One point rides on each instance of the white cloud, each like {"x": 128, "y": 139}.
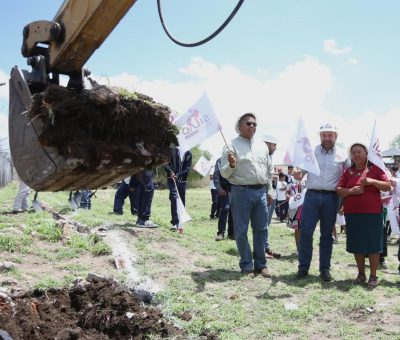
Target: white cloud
{"x": 301, "y": 89}
{"x": 3, "y": 88}
{"x": 352, "y": 61}
{"x": 331, "y": 47}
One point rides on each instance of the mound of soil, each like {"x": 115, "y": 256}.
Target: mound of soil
{"x": 104, "y": 126}
{"x": 96, "y": 308}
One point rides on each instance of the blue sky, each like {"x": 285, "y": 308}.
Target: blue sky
{"x": 321, "y": 60}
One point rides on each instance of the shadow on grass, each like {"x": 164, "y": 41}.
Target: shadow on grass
{"x": 232, "y": 251}
{"x": 65, "y": 210}
{"x": 341, "y": 285}
{"x": 214, "y": 275}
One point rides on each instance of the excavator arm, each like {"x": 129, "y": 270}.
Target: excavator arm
{"x": 78, "y": 29}
{"x": 63, "y": 46}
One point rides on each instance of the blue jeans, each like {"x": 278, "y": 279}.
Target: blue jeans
{"x": 215, "y": 204}
{"x": 86, "y": 200}
{"x": 271, "y": 209}
{"x": 121, "y": 194}
{"x": 144, "y": 192}
{"x": 225, "y": 215}
{"x": 250, "y": 205}
{"x": 317, "y": 207}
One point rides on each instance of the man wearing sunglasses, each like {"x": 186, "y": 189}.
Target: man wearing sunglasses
{"x": 245, "y": 163}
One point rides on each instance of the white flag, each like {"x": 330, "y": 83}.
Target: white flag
{"x": 197, "y": 124}
{"x": 297, "y": 199}
{"x": 374, "y": 151}
{"x": 392, "y": 213}
{"x": 203, "y": 166}
{"x": 183, "y": 216}
{"x": 303, "y": 155}
{"x": 288, "y": 158}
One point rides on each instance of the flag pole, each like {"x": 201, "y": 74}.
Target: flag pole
{"x": 223, "y": 137}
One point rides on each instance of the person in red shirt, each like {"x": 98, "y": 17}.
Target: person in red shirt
{"x": 360, "y": 186}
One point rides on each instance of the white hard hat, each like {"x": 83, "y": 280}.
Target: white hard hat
{"x": 270, "y": 139}
{"x": 327, "y": 127}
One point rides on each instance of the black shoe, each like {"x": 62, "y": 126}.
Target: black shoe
{"x": 302, "y": 273}
{"x": 231, "y": 237}
{"x": 326, "y": 276}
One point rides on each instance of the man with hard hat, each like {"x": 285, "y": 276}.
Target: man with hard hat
{"x": 320, "y": 204}
{"x": 247, "y": 166}
{"x": 271, "y": 142}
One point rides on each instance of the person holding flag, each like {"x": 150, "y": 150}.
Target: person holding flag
{"x": 177, "y": 171}
{"x": 361, "y": 185}
{"x": 325, "y": 165}
{"x": 245, "y": 163}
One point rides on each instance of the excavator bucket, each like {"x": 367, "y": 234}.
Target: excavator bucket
{"x": 46, "y": 162}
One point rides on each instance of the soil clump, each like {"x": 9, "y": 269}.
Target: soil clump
{"x": 104, "y": 127}
{"x": 95, "y": 308}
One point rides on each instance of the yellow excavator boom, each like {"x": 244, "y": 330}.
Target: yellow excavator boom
{"x": 78, "y": 29}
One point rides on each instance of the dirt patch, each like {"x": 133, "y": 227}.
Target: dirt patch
{"x": 96, "y": 308}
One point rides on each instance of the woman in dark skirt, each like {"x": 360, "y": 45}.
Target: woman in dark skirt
{"x": 360, "y": 186}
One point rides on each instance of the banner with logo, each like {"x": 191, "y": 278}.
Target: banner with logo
{"x": 197, "y": 124}
{"x": 374, "y": 150}
{"x": 288, "y": 158}
{"x": 297, "y": 199}
{"x": 203, "y": 166}
{"x": 303, "y": 155}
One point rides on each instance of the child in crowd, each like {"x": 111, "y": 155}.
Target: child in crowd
{"x": 295, "y": 196}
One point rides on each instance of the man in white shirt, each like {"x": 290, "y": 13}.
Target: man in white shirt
{"x": 320, "y": 204}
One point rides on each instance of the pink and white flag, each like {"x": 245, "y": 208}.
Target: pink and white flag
{"x": 203, "y": 166}
{"x": 374, "y": 150}
{"x": 197, "y": 124}
{"x": 303, "y": 155}
{"x": 288, "y": 158}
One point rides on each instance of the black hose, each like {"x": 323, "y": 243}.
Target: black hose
{"x": 201, "y": 42}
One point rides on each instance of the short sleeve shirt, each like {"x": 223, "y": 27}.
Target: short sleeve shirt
{"x": 370, "y": 201}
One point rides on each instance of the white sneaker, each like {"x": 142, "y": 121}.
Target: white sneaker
{"x": 146, "y": 224}
{"x": 150, "y": 224}
{"x": 174, "y": 228}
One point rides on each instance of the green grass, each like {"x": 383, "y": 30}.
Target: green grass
{"x": 11, "y": 243}
{"x": 201, "y": 276}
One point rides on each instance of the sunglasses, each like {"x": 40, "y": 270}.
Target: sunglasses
{"x": 251, "y": 124}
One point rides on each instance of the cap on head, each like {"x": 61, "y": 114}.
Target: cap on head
{"x": 327, "y": 127}
{"x": 250, "y": 114}
{"x": 270, "y": 139}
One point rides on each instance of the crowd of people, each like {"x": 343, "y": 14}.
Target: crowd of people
{"x": 347, "y": 186}
{"x": 246, "y": 189}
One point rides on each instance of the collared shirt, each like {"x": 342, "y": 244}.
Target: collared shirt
{"x": 331, "y": 165}
{"x": 253, "y": 164}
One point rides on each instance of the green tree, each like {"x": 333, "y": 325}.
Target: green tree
{"x": 395, "y": 142}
